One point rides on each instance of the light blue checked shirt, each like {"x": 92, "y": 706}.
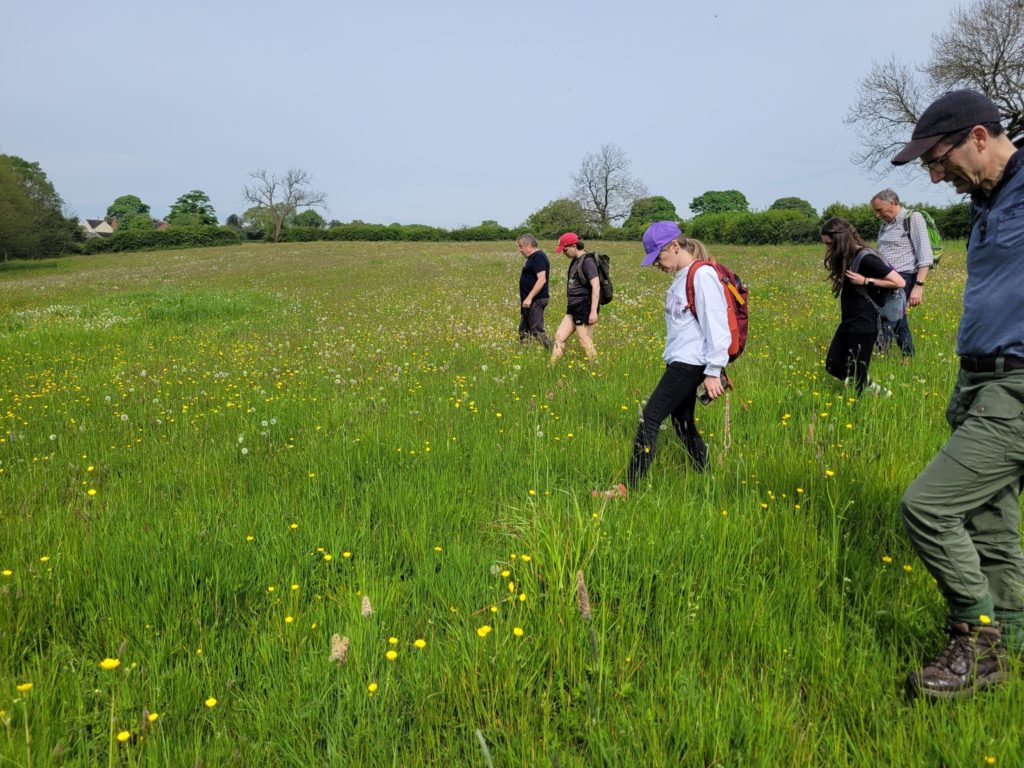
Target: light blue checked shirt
{"x": 902, "y": 252}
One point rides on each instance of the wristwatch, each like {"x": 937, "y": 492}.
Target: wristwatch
{"x": 919, "y": 282}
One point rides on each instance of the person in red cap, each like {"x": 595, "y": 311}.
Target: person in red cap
{"x": 583, "y": 289}
{"x": 962, "y": 514}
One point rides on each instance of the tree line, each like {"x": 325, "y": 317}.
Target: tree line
{"x": 983, "y": 48}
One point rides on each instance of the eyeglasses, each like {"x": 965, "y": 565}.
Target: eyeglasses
{"x": 939, "y": 163}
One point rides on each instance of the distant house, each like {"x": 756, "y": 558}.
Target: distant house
{"x": 96, "y": 228}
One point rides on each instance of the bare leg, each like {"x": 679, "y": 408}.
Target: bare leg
{"x": 565, "y": 330}
{"x": 585, "y": 333}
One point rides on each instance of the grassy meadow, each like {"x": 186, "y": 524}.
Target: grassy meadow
{"x": 212, "y": 461}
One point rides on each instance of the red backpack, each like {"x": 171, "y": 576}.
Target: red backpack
{"x": 735, "y": 301}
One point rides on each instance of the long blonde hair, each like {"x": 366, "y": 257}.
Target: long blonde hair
{"x": 696, "y": 248}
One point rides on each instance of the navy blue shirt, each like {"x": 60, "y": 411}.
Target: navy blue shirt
{"x": 536, "y": 263}
{"x": 992, "y": 323}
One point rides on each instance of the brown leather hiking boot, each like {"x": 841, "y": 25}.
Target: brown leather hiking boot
{"x": 973, "y": 660}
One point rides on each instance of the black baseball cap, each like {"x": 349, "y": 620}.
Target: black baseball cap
{"x": 952, "y": 112}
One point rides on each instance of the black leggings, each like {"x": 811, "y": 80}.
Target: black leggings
{"x": 849, "y": 354}
{"x": 674, "y": 396}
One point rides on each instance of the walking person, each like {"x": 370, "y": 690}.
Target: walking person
{"x": 962, "y": 513}
{"x": 583, "y": 293}
{"x": 533, "y": 290}
{"x": 696, "y": 348}
{"x": 903, "y": 242}
{"x": 849, "y": 354}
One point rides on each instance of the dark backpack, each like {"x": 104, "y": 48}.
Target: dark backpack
{"x": 894, "y": 306}
{"x": 604, "y": 277}
{"x": 736, "y": 295}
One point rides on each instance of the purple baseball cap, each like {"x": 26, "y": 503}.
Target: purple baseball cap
{"x": 657, "y": 236}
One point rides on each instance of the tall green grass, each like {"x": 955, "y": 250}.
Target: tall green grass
{"x": 209, "y": 460}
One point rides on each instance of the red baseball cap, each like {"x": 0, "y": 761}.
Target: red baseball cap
{"x": 569, "y": 238}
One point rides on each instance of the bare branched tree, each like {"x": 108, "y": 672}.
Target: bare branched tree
{"x": 605, "y": 186}
{"x": 280, "y": 197}
{"x": 982, "y": 49}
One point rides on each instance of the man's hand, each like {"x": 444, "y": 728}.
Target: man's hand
{"x": 916, "y": 294}
{"x": 592, "y": 320}
{"x": 527, "y": 302}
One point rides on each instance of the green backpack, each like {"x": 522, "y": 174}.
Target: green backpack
{"x": 934, "y": 236}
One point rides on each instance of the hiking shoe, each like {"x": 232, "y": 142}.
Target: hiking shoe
{"x": 618, "y": 492}
{"x": 878, "y": 390}
{"x": 973, "y": 660}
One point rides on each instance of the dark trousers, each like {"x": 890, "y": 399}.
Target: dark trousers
{"x": 849, "y": 354}
{"x": 531, "y": 322}
{"x": 674, "y": 396}
{"x": 900, "y": 330}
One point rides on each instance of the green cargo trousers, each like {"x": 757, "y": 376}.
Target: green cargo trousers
{"x": 962, "y": 513}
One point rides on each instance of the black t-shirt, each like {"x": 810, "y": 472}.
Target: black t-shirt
{"x": 535, "y": 264}
{"x": 578, "y": 283}
{"x": 858, "y": 315}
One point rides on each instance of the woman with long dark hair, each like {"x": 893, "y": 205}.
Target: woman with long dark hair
{"x": 860, "y": 293}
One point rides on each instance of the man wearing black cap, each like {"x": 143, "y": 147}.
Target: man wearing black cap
{"x": 962, "y": 513}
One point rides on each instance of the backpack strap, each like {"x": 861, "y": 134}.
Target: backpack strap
{"x": 861, "y": 289}
{"x": 691, "y": 296}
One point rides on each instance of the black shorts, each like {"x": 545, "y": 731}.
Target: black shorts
{"x": 580, "y": 313}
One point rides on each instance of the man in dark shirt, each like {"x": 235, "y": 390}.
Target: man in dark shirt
{"x": 962, "y": 513}
{"x": 533, "y": 290}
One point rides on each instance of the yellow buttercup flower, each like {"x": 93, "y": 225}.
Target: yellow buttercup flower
{"x": 420, "y": 643}
{"x": 109, "y": 664}
{"x": 123, "y": 736}
{"x": 23, "y": 688}
{"x": 210, "y": 703}
{"x": 391, "y": 655}
{"x": 153, "y": 717}
{"x": 984, "y": 619}
{"x": 372, "y": 688}
{"x": 484, "y": 631}
{"x": 517, "y": 631}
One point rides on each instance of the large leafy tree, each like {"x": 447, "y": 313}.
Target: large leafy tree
{"x": 719, "y": 202}
{"x": 983, "y": 48}
{"x": 605, "y": 187}
{"x": 32, "y": 220}
{"x": 279, "y": 197}
{"x": 309, "y": 219}
{"x": 648, "y": 209}
{"x": 560, "y": 216}
{"x": 192, "y": 209}
{"x": 125, "y": 209}
{"x": 794, "y": 204}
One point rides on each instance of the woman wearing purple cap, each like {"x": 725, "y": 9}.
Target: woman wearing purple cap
{"x": 696, "y": 347}
{"x": 849, "y": 354}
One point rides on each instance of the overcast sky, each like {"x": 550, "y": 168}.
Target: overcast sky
{"x": 447, "y": 112}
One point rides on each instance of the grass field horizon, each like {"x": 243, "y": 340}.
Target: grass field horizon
{"x": 214, "y": 460}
